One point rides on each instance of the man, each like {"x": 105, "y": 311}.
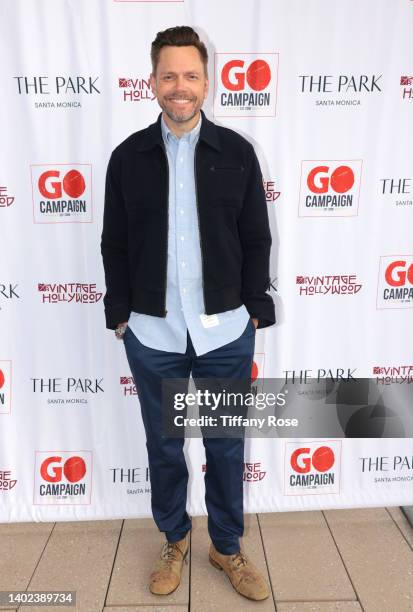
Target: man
{"x": 186, "y": 246}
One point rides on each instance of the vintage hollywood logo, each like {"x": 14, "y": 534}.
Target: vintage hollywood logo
{"x": 329, "y": 188}
{"x": 6, "y": 482}
{"x": 60, "y": 86}
{"x": 245, "y": 84}
{"x": 398, "y": 190}
{"x": 271, "y": 194}
{"x": 312, "y": 467}
{"x": 328, "y": 284}
{"x": 5, "y": 199}
{"x": 63, "y": 477}
{"x": 135, "y": 89}
{"x": 83, "y": 293}
{"x": 253, "y": 472}
{"x": 339, "y": 90}
{"x": 62, "y": 193}
{"x": 395, "y": 286}
{"x": 406, "y": 85}
{"x": 128, "y": 385}
{"x": 387, "y": 375}
{"x": 5, "y": 387}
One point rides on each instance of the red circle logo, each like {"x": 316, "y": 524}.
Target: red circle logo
{"x": 74, "y": 184}
{"x": 2, "y": 379}
{"x": 323, "y": 459}
{"x": 74, "y": 469}
{"x": 254, "y": 371}
{"x": 342, "y": 179}
{"x": 258, "y": 75}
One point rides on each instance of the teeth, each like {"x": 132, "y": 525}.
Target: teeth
{"x": 180, "y": 101}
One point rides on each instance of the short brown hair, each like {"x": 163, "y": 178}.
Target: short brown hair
{"x": 179, "y": 36}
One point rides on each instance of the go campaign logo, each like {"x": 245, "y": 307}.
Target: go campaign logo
{"x": 312, "y": 468}
{"x": 330, "y": 188}
{"x": 63, "y": 477}
{"x": 395, "y": 286}
{"x": 5, "y": 387}
{"x": 62, "y": 193}
{"x": 245, "y": 84}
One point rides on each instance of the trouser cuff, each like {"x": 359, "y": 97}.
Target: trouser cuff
{"x": 227, "y": 547}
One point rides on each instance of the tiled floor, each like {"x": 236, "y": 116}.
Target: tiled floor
{"x": 337, "y": 560}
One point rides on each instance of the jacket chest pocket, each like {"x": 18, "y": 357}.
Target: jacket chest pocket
{"x": 226, "y": 183}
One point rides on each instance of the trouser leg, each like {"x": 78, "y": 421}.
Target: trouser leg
{"x": 167, "y": 465}
{"x": 225, "y": 456}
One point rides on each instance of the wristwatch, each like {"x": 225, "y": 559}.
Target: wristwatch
{"x": 120, "y": 330}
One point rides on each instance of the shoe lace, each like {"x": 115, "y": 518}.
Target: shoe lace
{"x": 169, "y": 552}
{"x": 239, "y": 560}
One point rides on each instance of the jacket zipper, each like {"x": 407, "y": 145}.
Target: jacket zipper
{"x": 199, "y": 225}
{"x": 167, "y": 227}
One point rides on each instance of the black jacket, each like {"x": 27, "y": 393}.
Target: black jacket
{"x": 235, "y": 237}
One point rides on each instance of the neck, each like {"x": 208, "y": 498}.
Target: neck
{"x": 178, "y": 128}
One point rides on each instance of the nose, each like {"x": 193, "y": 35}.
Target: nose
{"x": 180, "y": 82}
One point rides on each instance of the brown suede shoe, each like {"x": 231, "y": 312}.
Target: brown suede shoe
{"x": 166, "y": 576}
{"x": 243, "y": 575}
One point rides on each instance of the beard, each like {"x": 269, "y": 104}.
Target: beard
{"x": 184, "y": 115}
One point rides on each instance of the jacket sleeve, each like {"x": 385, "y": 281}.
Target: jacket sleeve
{"x": 255, "y": 236}
{"x": 114, "y": 248}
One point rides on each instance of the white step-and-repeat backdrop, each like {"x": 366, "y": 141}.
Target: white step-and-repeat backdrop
{"x": 324, "y": 91}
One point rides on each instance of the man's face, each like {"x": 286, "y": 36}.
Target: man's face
{"x": 180, "y": 84}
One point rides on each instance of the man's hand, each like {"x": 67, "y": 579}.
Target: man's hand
{"x": 255, "y": 321}
{"x": 120, "y": 330}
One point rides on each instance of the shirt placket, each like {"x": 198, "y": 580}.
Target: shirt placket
{"x": 181, "y": 220}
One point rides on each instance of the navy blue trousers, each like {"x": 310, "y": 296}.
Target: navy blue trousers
{"x": 224, "y": 456}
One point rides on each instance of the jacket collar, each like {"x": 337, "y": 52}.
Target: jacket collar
{"x": 152, "y": 136}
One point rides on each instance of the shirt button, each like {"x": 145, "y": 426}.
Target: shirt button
{"x": 181, "y": 185}
{"x": 184, "y": 290}
{"x": 181, "y": 159}
{"x": 182, "y": 238}
{"x": 183, "y": 264}
{"x": 181, "y": 211}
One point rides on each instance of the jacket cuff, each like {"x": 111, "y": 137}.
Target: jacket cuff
{"x": 115, "y": 315}
{"x": 260, "y": 307}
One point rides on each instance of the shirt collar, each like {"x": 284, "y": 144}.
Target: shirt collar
{"x": 191, "y": 136}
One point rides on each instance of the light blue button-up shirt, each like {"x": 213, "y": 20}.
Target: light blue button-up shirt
{"x": 184, "y": 295}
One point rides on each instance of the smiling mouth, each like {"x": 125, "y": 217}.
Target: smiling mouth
{"x": 179, "y": 100}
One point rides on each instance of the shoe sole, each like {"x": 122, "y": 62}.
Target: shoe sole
{"x": 215, "y": 564}
{"x": 173, "y": 590}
